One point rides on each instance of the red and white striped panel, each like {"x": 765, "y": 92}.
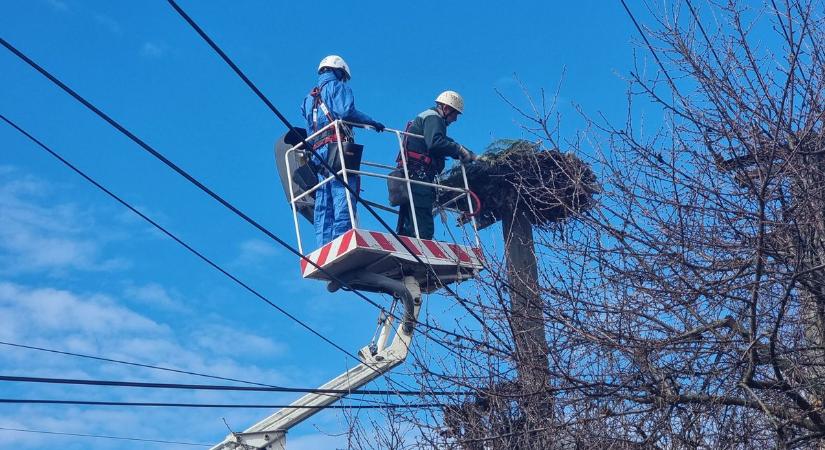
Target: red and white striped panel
{"x": 431, "y": 252}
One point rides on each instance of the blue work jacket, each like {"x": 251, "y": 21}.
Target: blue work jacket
{"x": 338, "y": 98}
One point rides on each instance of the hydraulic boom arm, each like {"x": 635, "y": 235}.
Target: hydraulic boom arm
{"x": 270, "y": 433}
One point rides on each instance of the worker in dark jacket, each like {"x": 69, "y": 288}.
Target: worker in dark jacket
{"x": 330, "y": 100}
{"x": 426, "y": 159}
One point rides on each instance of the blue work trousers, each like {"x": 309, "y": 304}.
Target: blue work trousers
{"x": 331, "y": 211}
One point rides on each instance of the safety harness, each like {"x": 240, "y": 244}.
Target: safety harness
{"x": 318, "y": 103}
{"x": 424, "y": 159}
{"x": 420, "y": 157}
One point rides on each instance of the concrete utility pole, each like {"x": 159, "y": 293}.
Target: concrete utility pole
{"x": 527, "y": 316}
{"x": 527, "y": 326}
{"x": 524, "y": 186}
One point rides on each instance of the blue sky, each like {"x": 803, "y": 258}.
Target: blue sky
{"x": 78, "y": 272}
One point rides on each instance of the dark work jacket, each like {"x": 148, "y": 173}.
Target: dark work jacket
{"x": 436, "y": 144}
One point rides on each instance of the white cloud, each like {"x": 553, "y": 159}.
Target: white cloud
{"x": 108, "y": 23}
{"x": 254, "y": 253}
{"x": 97, "y": 421}
{"x": 97, "y": 324}
{"x": 39, "y": 233}
{"x": 153, "y": 49}
{"x": 155, "y": 295}
{"x": 45, "y": 311}
{"x": 253, "y": 248}
{"x": 316, "y": 441}
{"x": 58, "y": 5}
{"x": 231, "y": 340}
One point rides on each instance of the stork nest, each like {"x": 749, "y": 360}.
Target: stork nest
{"x": 516, "y": 175}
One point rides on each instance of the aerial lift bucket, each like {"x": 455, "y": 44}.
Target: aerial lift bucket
{"x": 303, "y": 176}
{"x": 402, "y": 266}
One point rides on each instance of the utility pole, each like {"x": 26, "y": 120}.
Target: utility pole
{"x": 527, "y": 326}
{"x": 527, "y": 315}
{"x": 523, "y": 186}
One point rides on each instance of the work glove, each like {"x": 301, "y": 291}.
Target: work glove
{"x": 466, "y": 156}
{"x": 379, "y": 127}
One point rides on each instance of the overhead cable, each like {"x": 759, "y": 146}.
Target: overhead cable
{"x": 213, "y": 387}
{"x": 103, "y": 436}
{"x": 27, "y": 401}
{"x": 155, "y": 224}
{"x": 324, "y": 163}
{"x": 130, "y": 363}
{"x": 173, "y": 236}
{"x": 199, "y": 185}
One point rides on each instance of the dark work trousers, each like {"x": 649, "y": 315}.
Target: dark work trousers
{"x": 423, "y": 199}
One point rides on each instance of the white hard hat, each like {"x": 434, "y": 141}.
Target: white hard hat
{"x": 452, "y": 99}
{"x": 334, "y": 62}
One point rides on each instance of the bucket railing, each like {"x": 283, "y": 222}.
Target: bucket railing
{"x": 346, "y": 174}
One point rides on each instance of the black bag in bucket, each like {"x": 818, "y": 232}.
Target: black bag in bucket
{"x": 352, "y": 156}
{"x": 305, "y": 177}
{"x": 397, "y": 189}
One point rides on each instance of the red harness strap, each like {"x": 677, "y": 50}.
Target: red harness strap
{"x": 318, "y": 102}
{"x": 419, "y": 157}
{"x": 332, "y": 138}
{"x": 426, "y": 160}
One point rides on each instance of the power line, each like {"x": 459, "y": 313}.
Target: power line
{"x": 212, "y": 405}
{"x": 212, "y": 194}
{"x": 130, "y": 363}
{"x": 164, "y": 230}
{"x": 103, "y": 436}
{"x": 159, "y": 227}
{"x": 461, "y": 300}
{"x": 149, "y": 366}
{"x": 213, "y": 387}
{"x": 354, "y": 192}
{"x": 323, "y": 162}
{"x": 175, "y": 238}
{"x": 203, "y": 188}
{"x": 68, "y": 164}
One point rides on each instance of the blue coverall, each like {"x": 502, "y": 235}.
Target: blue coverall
{"x": 331, "y": 213}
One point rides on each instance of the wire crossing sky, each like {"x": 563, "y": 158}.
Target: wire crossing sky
{"x": 81, "y": 274}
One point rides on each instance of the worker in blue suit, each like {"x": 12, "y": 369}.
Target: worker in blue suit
{"x": 331, "y": 99}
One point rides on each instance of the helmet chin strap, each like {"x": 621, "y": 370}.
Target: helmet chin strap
{"x": 439, "y": 108}
{"x": 341, "y": 74}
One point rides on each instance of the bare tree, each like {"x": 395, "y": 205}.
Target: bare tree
{"x": 686, "y": 309}
{"x": 689, "y": 305}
